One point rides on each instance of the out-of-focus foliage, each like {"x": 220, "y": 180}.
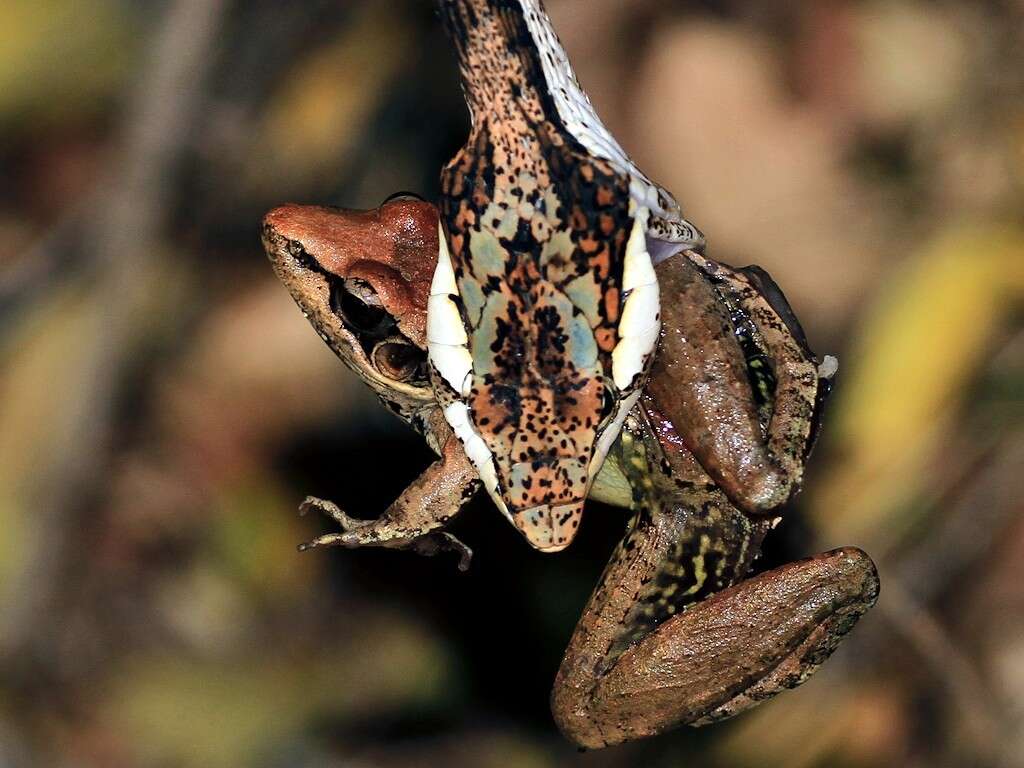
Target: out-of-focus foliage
{"x": 61, "y": 60}
{"x": 164, "y": 405}
{"x": 923, "y": 344}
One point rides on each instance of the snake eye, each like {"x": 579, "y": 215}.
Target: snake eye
{"x": 607, "y": 403}
{"x": 359, "y": 306}
{"x": 402, "y": 197}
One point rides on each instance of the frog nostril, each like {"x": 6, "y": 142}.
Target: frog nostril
{"x": 359, "y": 307}
{"x": 397, "y": 359}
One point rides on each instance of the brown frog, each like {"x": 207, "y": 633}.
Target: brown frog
{"x": 675, "y": 633}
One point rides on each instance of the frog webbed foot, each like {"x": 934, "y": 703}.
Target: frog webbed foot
{"x": 383, "y": 532}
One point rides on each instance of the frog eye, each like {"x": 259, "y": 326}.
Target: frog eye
{"x": 398, "y": 359}
{"x": 402, "y": 197}
{"x": 358, "y": 305}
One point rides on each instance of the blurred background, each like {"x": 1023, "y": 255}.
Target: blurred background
{"x": 164, "y": 406}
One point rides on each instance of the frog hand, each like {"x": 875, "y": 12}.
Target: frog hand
{"x": 365, "y": 533}
{"x": 415, "y": 519}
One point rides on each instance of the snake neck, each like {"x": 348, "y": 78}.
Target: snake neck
{"x": 496, "y": 43}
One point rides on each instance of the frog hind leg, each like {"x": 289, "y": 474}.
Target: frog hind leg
{"x": 673, "y": 635}
{"x": 735, "y": 325}
{"x": 802, "y": 381}
{"x": 413, "y": 521}
{"x": 737, "y": 649}
{"x": 732, "y": 651}
{"x": 845, "y": 582}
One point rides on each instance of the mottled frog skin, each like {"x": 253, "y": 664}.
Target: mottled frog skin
{"x": 675, "y": 633}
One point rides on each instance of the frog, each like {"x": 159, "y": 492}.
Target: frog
{"x": 677, "y": 632}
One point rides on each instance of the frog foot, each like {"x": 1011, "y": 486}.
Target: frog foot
{"x": 381, "y": 533}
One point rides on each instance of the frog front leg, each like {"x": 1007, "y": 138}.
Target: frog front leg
{"x": 413, "y": 521}
{"x": 672, "y": 636}
{"x": 362, "y": 279}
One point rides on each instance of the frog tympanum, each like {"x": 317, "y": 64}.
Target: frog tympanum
{"x": 674, "y": 633}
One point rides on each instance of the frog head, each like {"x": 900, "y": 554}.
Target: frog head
{"x": 362, "y": 279}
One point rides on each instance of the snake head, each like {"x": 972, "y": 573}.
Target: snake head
{"x": 538, "y": 358}
{"x": 544, "y": 311}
